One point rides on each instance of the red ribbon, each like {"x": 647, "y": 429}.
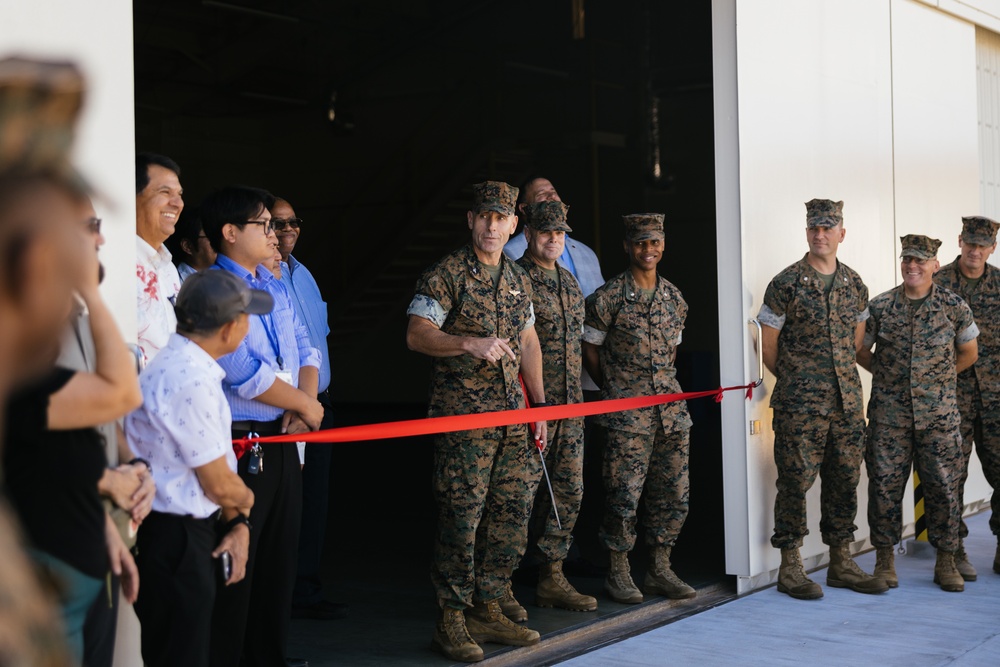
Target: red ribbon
{"x": 452, "y": 423}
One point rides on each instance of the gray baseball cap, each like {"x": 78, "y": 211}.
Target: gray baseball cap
{"x": 214, "y": 297}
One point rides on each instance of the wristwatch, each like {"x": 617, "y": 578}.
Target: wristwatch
{"x": 237, "y": 520}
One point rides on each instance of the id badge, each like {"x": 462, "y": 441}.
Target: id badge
{"x": 285, "y": 376}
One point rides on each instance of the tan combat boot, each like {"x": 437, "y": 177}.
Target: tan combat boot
{"x": 555, "y": 591}
{"x": 792, "y": 577}
{"x": 512, "y": 609}
{"x": 487, "y": 623}
{"x": 946, "y": 575}
{"x": 618, "y": 584}
{"x": 661, "y": 580}
{"x": 451, "y": 637}
{"x": 845, "y": 573}
{"x": 885, "y": 566}
{"x": 963, "y": 565}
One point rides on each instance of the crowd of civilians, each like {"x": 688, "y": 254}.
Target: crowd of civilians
{"x": 119, "y": 476}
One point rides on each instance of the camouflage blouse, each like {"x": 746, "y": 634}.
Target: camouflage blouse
{"x": 638, "y": 338}
{"x": 458, "y": 295}
{"x": 984, "y": 300}
{"x": 559, "y": 313}
{"x": 817, "y": 365}
{"x": 913, "y": 371}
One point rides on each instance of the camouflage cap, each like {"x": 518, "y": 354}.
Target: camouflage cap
{"x": 824, "y": 213}
{"x": 921, "y": 247}
{"x": 494, "y": 196}
{"x": 643, "y": 226}
{"x": 547, "y": 216}
{"x": 40, "y": 103}
{"x": 979, "y": 230}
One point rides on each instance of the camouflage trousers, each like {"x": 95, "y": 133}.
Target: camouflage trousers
{"x": 564, "y": 460}
{"x": 983, "y": 428}
{"x": 937, "y": 457}
{"x": 656, "y": 462}
{"x": 807, "y": 445}
{"x": 484, "y": 489}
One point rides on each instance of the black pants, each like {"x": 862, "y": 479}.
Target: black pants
{"x": 100, "y": 627}
{"x": 251, "y": 618}
{"x": 177, "y": 589}
{"x": 315, "y": 501}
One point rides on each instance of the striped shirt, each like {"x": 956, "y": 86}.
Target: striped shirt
{"x": 250, "y": 370}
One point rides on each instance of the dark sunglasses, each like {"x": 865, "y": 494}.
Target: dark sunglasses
{"x": 93, "y": 225}
{"x": 280, "y": 224}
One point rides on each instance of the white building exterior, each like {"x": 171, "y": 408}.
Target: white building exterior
{"x": 877, "y": 103}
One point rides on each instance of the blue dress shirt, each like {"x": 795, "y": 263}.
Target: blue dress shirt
{"x": 311, "y": 309}
{"x": 250, "y": 370}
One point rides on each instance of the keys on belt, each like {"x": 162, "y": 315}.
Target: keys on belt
{"x": 256, "y": 462}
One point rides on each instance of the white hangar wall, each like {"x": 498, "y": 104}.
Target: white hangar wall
{"x": 871, "y": 102}
{"x": 97, "y": 36}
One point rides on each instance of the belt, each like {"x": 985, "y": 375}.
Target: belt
{"x": 260, "y": 428}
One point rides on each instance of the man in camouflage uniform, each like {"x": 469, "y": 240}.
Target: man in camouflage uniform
{"x": 632, "y": 328}
{"x": 559, "y": 312}
{"x": 812, "y": 323}
{"x": 924, "y": 335}
{"x": 472, "y": 313}
{"x": 979, "y": 387}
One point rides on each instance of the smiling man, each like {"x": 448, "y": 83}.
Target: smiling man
{"x": 813, "y": 320}
{"x": 631, "y": 332}
{"x": 158, "y": 204}
{"x": 979, "y": 386}
{"x": 472, "y": 314}
{"x": 924, "y": 335}
{"x": 559, "y": 310}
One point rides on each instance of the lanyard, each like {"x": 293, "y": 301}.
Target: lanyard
{"x": 272, "y": 337}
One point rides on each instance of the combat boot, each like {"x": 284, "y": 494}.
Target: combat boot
{"x": 946, "y": 575}
{"x": 885, "y": 566}
{"x": 792, "y": 577}
{"x": 451, "y": 637}
{"x": 845, "y": 573}
{"x": 512, "y": 609}
{"x": 618, "y": 584}
{"x": 555, "y": 591}
{"x": 661, "y": 580}
{"x": 963, "y": 565}
{"x": 487, "y": 623}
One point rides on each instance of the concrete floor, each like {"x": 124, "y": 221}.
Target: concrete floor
{"x": 391, "y": 619}
{"x": 914, "y": 625}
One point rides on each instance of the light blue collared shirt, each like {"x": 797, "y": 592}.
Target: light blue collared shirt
{"x": 311, "y": 309}
{"x": 250, "y": 370}
{"x": 184, "y": 270}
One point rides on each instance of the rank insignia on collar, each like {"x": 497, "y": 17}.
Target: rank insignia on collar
{"x": 515, "y": 292}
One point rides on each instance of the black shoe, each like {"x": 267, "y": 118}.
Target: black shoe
{"x": 296, "y": 662}
{"x": 322, "y": 610}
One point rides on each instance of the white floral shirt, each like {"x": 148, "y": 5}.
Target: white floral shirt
{"x": 157, "y": 285}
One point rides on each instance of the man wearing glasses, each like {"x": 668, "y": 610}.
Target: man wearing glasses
{"x": 158, "y": 204}
{"x": 270, "y": 383}
{"x": 308, "y": 601}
